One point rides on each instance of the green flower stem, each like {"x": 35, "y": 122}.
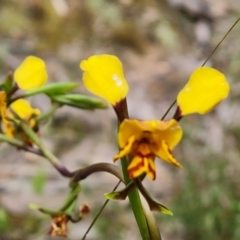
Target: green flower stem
{"x": 136, "y": 204}
{"x": 16, "y": 143}
{"x": 72, "y": 196}
{"x": 46, "y": 153}
{"x": 49, "y": 113}
{"x": 45, "y": 210}
{"x": 151, "y": 221}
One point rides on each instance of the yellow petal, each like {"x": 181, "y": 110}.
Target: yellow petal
{"x": 162, "y": 151}
{"x": 23, "y": 109}
{"x": 6, "y": 124}
{"x": 3, "y": 104}
{"x": 31, "y": 73}
{"x": 126, "y": 149}
{"x": 103, "y": 76}
{"x": 8, "y": 129}
{"x": 205, "y": 89}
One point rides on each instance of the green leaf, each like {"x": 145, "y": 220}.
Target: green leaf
{"x": 52, "y": 89}
{"x": 79, "y": 101}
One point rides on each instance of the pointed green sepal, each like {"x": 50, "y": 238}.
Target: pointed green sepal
{"x": 155, "y": 206}
{"x": 115, "y": 196}
{"x": 122, "y": 194}
{"x": 34, "y": 206}
{"x": 79, "y": 101}
{"x": 52, "y": 89}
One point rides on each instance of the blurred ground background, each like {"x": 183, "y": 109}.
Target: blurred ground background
{"x": 160, "y": 43}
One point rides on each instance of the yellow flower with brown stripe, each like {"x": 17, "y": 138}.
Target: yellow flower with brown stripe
{"x": 145, "y": 140}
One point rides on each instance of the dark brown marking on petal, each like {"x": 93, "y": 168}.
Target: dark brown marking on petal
{"x": 170, "y": 152}
{"x": 136, "y": 168}
{"x": 177, "y": 163}
{"x": 152, "y": 170}
{"x": 146, "y": 131}
{"x": 141, "y": 155}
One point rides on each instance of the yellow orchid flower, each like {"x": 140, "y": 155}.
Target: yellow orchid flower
{"x": 205, "y": 89}
{"x": 31, "y": 73}
{"x": 103, "y": 76}
{"x": 144, "y": 140}
{"x": 24, "y": 111}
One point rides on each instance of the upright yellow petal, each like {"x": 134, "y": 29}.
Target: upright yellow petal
{"x": 205, "y": 89}
{"x": 103, "y": 76}
{"x": 23, "y": 109}
{"x": 31, "y": 73}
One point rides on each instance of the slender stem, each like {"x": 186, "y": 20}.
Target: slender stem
{"x": 46, "y": 153}
{"x": 214, "y": 50}
{"x": 136, "y": 204}
{"x": 97, "y": 167}
{"x": 49, "y": 113}
{"x": 99, "y": 213}
{"x": 72, "y": 196}
{"x": 168, "y": 110}
{"x": 19, "y": 144}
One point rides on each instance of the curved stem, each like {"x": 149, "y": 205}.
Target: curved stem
{"x": 49, "y": 113}
{"x": 17, "y": 143}
{"x": 46, "y": 153}
{"x": 97, "y": 167}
